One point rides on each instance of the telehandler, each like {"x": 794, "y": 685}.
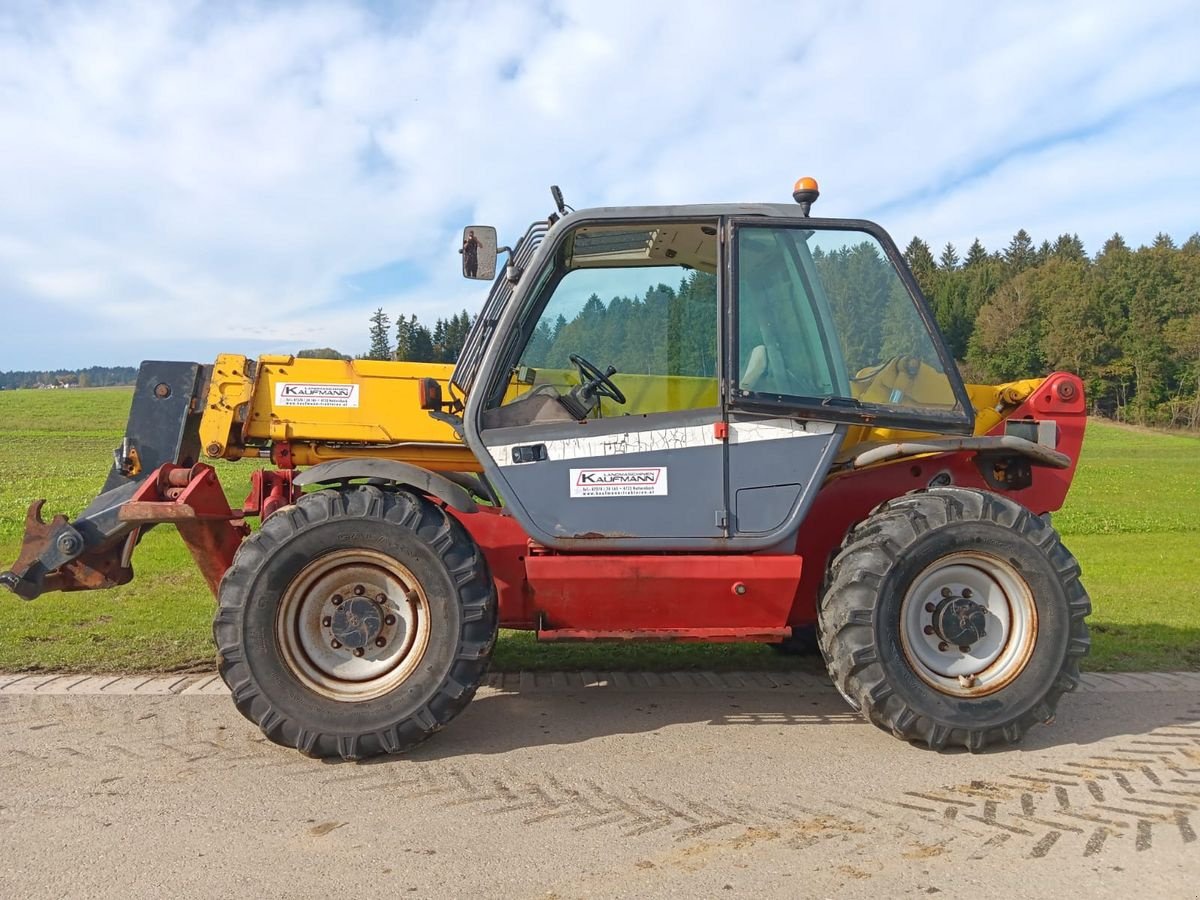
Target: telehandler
{"x": 732, "y": 422}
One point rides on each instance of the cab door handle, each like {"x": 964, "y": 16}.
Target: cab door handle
{"x": 529, "y": 453}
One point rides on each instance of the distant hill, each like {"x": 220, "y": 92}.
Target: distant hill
{"x": 96, "y": 376}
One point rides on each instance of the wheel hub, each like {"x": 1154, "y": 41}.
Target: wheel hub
{"x": 353, "y": 624}
{"x": 960, "y": 621}
{"x": 968, "y": 624}
{"x": 356, "y": 623}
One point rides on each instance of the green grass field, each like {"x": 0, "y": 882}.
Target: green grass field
{"x": 1133, "y": 519}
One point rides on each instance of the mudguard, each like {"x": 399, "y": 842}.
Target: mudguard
{"x": 393, "y": 471}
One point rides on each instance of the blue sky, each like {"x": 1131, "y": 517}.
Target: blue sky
{"x": 180, "y": 179}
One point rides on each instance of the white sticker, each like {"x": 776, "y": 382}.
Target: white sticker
{"x": 291, "y": 393}
{"x": 650, "y": 481}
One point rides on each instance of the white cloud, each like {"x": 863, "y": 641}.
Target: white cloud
{"x": 223, "y": 172}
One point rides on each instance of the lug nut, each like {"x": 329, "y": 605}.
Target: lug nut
{"x": 946, "y": 592}
{"x": 929, "y": 629}
{"x": 943, "y": 646}
{"x": 381, "y": 599}
{"x": 966, "y": 592}
{"x": 963, "y": 648}
{"x": 335, "y": 644}
{"x": 359, "y": 651}
{"x": 359, "y": 590}
{"x": 380, "y": 642}
{"x": 327, "y": 621}
{"x": 337, "y": 599}
{"x": 929, "y": 607}
{"x": 389, "y": 620}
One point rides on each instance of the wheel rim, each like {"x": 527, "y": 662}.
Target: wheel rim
{"x": 353, "y": 625}
{"x": 968, "y": 624}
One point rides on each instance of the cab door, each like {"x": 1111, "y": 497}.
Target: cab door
{"x": 828, "y": 335}
{"x": 643, "y": 466}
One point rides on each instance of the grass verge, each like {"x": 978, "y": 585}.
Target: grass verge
{"x": 1132, "y": 519}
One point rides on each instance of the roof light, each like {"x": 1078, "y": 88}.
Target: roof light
{"x": 806, "y": 193}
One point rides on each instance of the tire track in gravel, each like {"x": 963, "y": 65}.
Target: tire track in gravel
{"x": 581, "y": 805}
{"x": 1141, "y": 792}
{"x": 1146, "y": 790}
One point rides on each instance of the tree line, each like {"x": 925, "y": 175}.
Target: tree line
{"x": 94, "y": 376}
{"x": 1126, "y": 321}
{"x": 414, "y": 342}
{"x": 630, "y": 333}
{"x": 667, "y": 331}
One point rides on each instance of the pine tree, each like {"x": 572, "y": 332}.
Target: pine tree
{"x": 976, "y": 255}
{"x": 949, "y": 258}
{"x": 1069, "y": 247}
{"x": 1114, "y": 245}
{"x": 404, "y": 331}
{"x": 1019, "y": 255}
{"x": 920, "y": 259}
{"x": 465, "y": 322}
{"x": 454, "y": 338}
{"x": 421, "y": 343}
{"x": 440, "y": 353}
{"x": 381, "y": 347}
{"x": 539, "y": 345}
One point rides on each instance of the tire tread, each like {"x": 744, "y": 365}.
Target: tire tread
{"x": 465, "y": 565}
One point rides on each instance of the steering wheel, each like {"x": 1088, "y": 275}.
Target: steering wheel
{"x": 598, "y": 383}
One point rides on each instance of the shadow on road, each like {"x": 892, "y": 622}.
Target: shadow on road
{"x": 509, "y": 721}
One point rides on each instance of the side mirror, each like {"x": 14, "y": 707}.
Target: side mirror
{"x": 479, "y": 252}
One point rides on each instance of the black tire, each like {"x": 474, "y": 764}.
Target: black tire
{"x": 876, "y": 657}
{"x": 448, "y": 612}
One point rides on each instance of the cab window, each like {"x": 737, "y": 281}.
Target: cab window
{"x": 639, "y": 298}
{"x": 823, "y": 316}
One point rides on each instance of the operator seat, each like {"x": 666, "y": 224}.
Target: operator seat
{"x": 539, "y": 405}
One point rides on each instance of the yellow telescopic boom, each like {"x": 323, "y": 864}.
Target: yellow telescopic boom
{"x": 316, "y": 410}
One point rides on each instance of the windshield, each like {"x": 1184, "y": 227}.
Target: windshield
{"x": 824, "y": 316}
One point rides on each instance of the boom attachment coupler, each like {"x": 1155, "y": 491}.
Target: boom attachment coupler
{"x": 55, "y": 556}
{"x": 94, "y": 550}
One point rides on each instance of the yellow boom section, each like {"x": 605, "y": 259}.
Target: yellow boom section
{"x": 328, "y": 409}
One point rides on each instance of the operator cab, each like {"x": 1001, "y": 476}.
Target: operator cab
{"x": 702, "y": 362}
